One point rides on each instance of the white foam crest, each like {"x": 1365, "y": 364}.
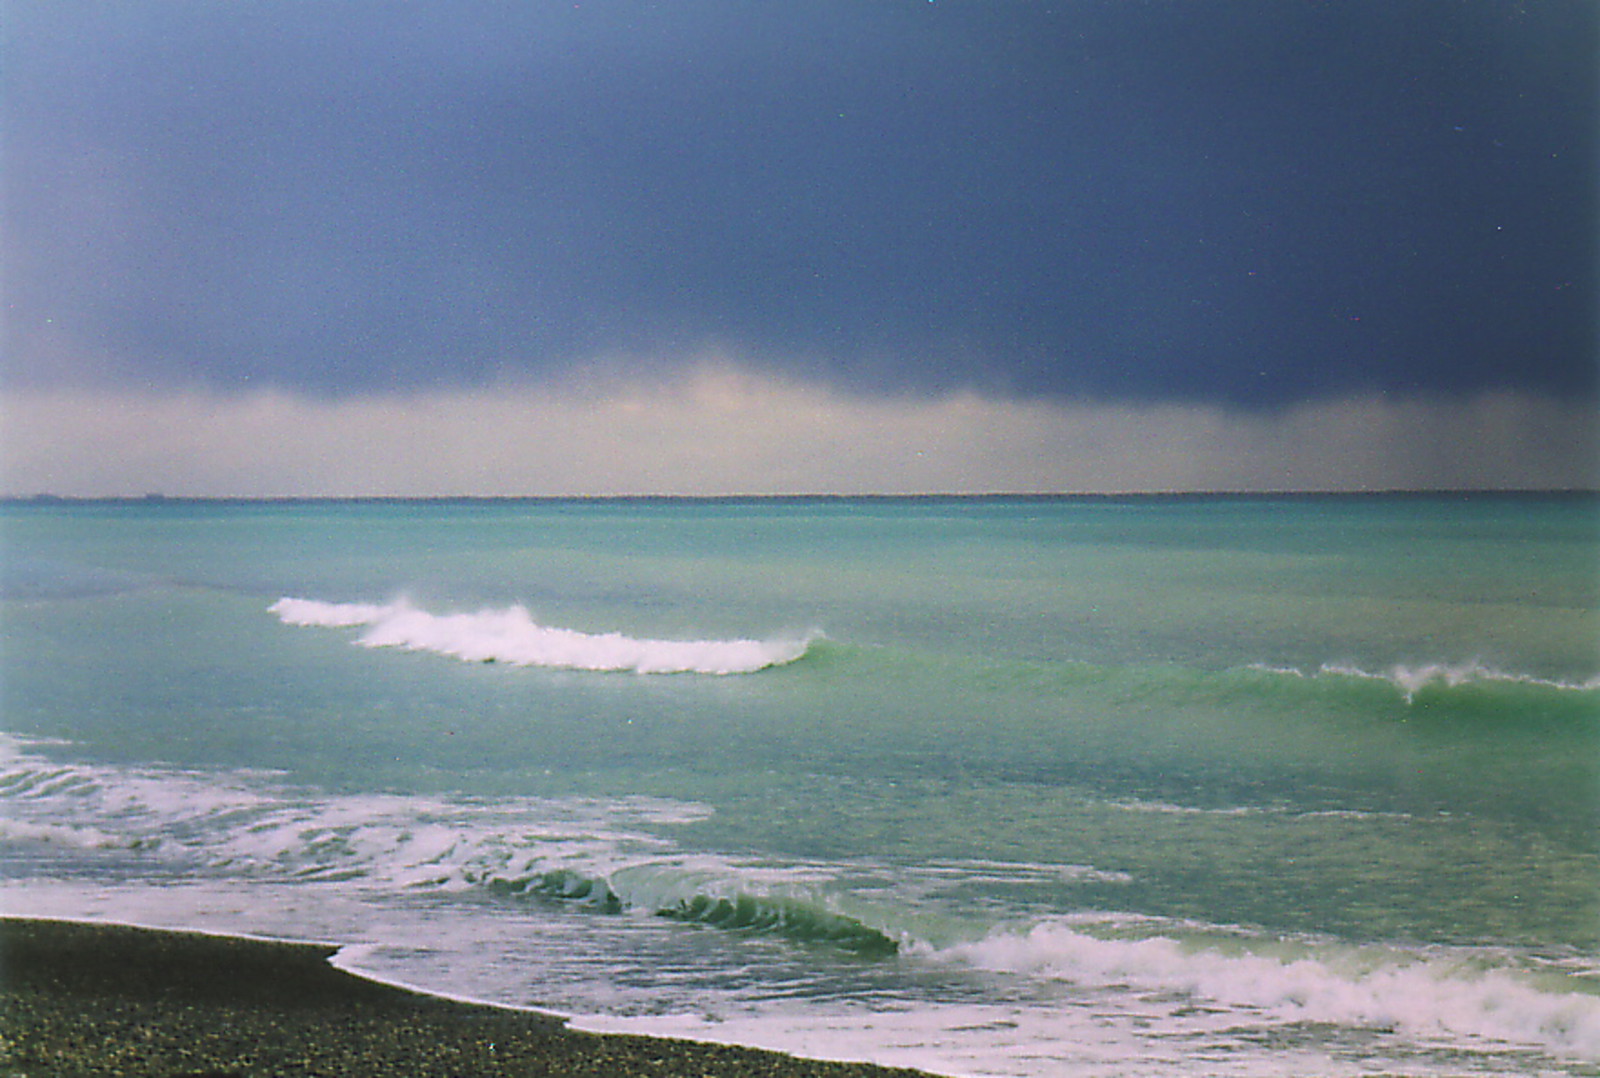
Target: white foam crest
{"x": 1168, "y": 808}
{"x": 1281, "y": 811}
{"x": 511, "y": 635}
{"x": 80, "y": 838}
{"x": 331, "y": 615}
{"x": 1411, "y": 679}
{"x": 1433, "y": 992}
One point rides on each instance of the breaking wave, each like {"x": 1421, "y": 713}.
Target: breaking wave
{"x": 616, "y": 856}
{"x": 510, "y": 635}
{"x": 607, "y": 855}
{"x": 676, "y": 895}
{"x": 1424, "y": 991}
{"x": 1412, "y": 680}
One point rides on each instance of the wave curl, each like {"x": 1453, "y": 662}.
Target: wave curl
{"x": 511, "y": 635}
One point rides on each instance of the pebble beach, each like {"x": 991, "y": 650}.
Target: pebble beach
{"x": 100, "y": 1000}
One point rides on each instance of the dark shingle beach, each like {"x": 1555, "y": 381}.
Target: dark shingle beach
{"x": 102, "y": 1000}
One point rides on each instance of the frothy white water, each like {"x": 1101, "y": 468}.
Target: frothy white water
{"x": 1451, "y": 995}
{"x": 254, "y": 825}
{"x": 1093, "y": 994}
{"x": 610, "y": 855}
{"x": 1009, "y": 1040}
{"x": 510, "y": 635}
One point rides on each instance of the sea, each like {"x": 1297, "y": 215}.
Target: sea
{"x": 1009, "y": 786}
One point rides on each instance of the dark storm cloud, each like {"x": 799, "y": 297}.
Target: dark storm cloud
{"x": 1248, "y": 201}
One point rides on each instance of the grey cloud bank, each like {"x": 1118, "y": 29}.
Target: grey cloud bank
{"x": 1256, "y": 204}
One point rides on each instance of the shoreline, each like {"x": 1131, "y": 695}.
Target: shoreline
{"x": 89, "y": 999}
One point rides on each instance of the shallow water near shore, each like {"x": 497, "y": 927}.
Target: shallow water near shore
{"x": 983, "y": 786}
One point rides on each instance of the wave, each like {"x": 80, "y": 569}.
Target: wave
{"x": 800, "y": 919}
{"x": 616, "y": 856}
{"x": 1283, "y": 811}
{"x": 1472, "y": 682}
{"x": 1412, "y": 681}
{"x": 605, "y": 854}
{"x": 1421, "y": 992}
{"x": 510, "y": 635}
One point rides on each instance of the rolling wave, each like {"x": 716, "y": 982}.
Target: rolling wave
{"x": 1422, "y": 991}
{"x": 603, "y": 854}
{"x": 1444, "y": 687}
{"x": 688, "y": 897}
{"x": 613, "y": 856}
{"x": 510, "y": 635}
{"x": 1414, "y": 680}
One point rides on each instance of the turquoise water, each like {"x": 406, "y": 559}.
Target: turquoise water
{"x": 987, "y": 786}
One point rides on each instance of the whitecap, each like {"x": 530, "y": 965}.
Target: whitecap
{"x": 511, "y": 635}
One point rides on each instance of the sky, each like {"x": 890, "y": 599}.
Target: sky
{"x": 280, "y": 247}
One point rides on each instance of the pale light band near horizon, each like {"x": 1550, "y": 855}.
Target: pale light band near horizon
{"x": 716, "y": 430}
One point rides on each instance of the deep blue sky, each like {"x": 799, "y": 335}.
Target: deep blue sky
{"x": 1255, "y": 202}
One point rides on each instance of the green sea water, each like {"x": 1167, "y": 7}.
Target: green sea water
{"x": 1045, "y": 786}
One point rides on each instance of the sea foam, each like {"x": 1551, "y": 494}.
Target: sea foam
{"x": 510, "y": 635}
{"x": 606, "y": 854}
{"x": 1440, "y": 992}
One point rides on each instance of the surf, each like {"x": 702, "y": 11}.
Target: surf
{"x": 608, "y": 856}
{"x": 1433, "y": 678}
{"x": 1460, "y": 995}
{"x": 511, "y": 635}
{"x": 676, "y": 894}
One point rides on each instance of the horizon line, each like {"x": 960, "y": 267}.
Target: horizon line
{"x": 159, "y": 498}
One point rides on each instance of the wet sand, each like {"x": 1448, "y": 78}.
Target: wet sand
{"x": 98, "y": 1000}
